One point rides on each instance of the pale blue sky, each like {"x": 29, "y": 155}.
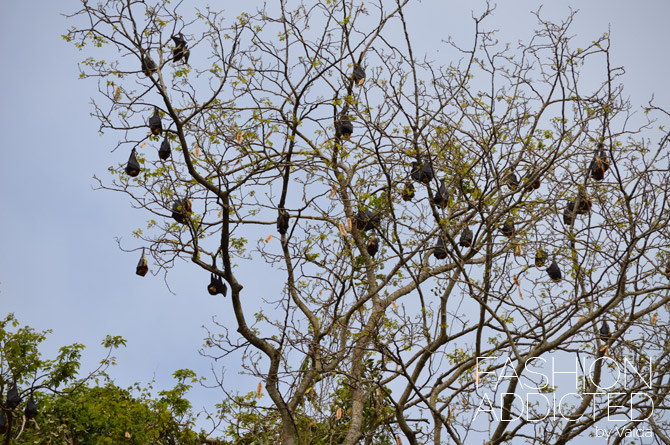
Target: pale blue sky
{"x": 60, "y": 267}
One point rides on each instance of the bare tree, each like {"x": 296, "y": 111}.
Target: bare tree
{"x": 443, "y": 229}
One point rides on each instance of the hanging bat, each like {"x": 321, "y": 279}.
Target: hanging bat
{"x": 31, "y": 409}
{"x": 142, "y": 266}
{"x": 408, "y": 192}
{"x": 155, "y": 124}
{"x": 422, "y": 171}
{"x": 132, "y": 167}
{"x": 282, "y": 221}
{"x": 180, "y": 51}
{"x": 439, "y": 250}
{"x": 359, "y": 75}
{"x": 466, "y": 238}
{"x": 216, "y": 286}
{"x": 441, "y": 197}
{"x": 13, "y": 397}
{"x": 373, "y": 246}
{"x": 344, "y": 128}
{"x": 508, "y": 228}
{"x": 180, "y": 210}
{"x": 554, "y": 272}
{"x": 165, "y": 150}
{"x": 148, "y": 66}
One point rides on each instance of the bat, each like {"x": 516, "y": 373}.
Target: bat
{"x": 466, "y": 238}
{"x": 31, "y": 409}
{"x": 359, "y": 75}
{"x": 508, "y": 228}
{"x": 148, "y": 66}
{"x": 180, "y": 51}
{"x": 344, "y": 128}
{"x": 155, "y": 124}
{"x": 180, "y": 210}
{"x": 216, "y": 286}
{"x": 408, "y": 192}
{"x": 541, "y": 257}
{"x": 142, "y": 267}
{"x": 366, "y": 220}
{"x": 439, "y": 250}
{"x": 554, "y": 272}
{"x": 165, "y": 150}
{"x": 282, "y": 221}
{"x": 373, "y": 246}
{"x": 13, "y": 397}
{"x": 441, "y": 197}
{"x": 132, "y": 167}
{"x": 422, "y": 171}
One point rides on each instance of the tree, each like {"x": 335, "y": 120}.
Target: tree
{"x": 55, "y": 405}
{"x": 417, "y": 208}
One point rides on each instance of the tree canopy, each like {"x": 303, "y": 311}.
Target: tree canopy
{"x": 450, "y": 234}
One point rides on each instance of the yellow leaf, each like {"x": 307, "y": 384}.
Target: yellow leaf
{"x": 259, "y": 390}
{"x": 653, "y": 319}
{"x": 477, "y": 375}
{"x": 239, "y": 137}
{"x": 332, "y": 193}
{"x": 398, "y": 440}
{"x": 197, "y": 151}
{"x": 127, "y": 435}
{"x": 338, "y": 413}
{"x": 517, "y": 250}
{"x": 395, "y": 306}
{"x": 220, "y": 213}
{"x": 143, "y": 144}
{"x": 343, "y": 231}
{"x": 267, "y": 240}
{"x": 348, "y": 224}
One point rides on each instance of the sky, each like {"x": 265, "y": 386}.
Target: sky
{"x": 60, "y": 266}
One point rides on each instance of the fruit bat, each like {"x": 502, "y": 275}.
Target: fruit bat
{"x": 180, "y": 50}
{"x": 373, "y": 246}
{"x": 439, "y": 250}
{"x": 13, "y": 397}
{"x": 408, "y": 192}
{"x": 31, "y": 409}
{"x": 585, "y": 203}
{"x": 133, "y": 167}
{"x": 142, "y": 267}
{"x": 508, "y": 228}
{"x": 423, "y": 171}
{"x": 541, "y": 258}
{"x": 359, "y": 75}
{"x": 600, "y": 163}
{"x": 216, "y": 286}
{"x": 155, "y": 124}
{"x": 441, "y": 197}
{"x": 165, "y": 150}
{"x": 282, "y": 221}
{"x": 568, "y": 213}
{"x": 344, "y": 128}
{"x": 180, "y": 210}
{"x": 366, "y": 220}
{"x": 534, "y": 185}
{"x": 148, "y": 66}
{"x": 604, "y": 331}
{"x": 512, "y": 181}
{"x": 466, "y": 238}
{"x": 554, "y": 272}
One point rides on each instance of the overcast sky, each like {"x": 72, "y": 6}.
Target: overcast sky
{"x": 60, "y": 267}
